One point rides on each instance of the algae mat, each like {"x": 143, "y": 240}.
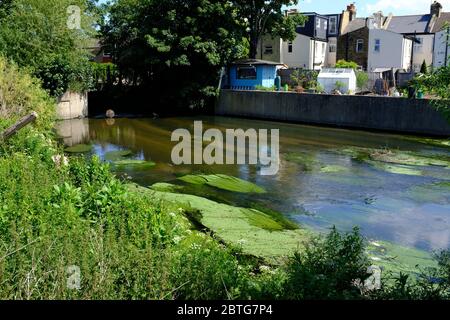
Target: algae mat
{"x": 224, "y": 182}
{"x": 255, "y": 232}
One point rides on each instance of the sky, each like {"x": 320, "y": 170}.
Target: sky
{"x": 367, "y": 7}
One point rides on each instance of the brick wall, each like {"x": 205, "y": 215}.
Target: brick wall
{"x": 346, "y": 48}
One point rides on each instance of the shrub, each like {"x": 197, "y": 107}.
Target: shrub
{"x": 362, "y": 78}
{"x": 20, "y": 94}
{"x": 204, "y": 270}
{"x": 328, "y": 268}
{"x": 346, "y": 64}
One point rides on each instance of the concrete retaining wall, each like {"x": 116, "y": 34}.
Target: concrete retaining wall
{"x": 378, "y": 113}
{"x": 72, "y": 105}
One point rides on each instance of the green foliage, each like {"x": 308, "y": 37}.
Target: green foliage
{"x": 305, "y": 78}
{"x": 266, "y": 17}
{"x": 424, "y": 68}
{"x": 328, "y": 268}
{"x": 362, "y": 78}
{"x": 205, "y": 271}
{"x": 346, "y": 64}
{"x": 431, "y": 283}
{"x": 20, "y": 94}
{"x": 436, "y": 83}
{"x": 173, "y": 47}
{"x": 263, "y": 88}
{"x": 339, "y": 85}
{"x": 35, "y": 35}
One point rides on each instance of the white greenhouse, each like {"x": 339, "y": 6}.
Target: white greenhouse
{"x": 343, "y": 80}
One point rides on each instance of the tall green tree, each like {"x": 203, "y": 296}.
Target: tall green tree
{"x": 267, "y": 17}
{"x": 174, "y": 47}
{"x": 36, "y": 35}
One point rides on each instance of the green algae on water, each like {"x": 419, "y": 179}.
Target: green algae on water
{"x": 306, "y": 160}
{"x": 255, "y": 232}
{"x": 165, "y": 187}
{"x": 79, "y": 148}
{"x": 395, "y": 258}
{"x": 118, "y": 155}
{"x": 223, "y": 182}
{"x": 134, "y": 164}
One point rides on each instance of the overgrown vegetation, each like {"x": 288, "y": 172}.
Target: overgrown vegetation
{"x": 436, "y": 83}
{"x": 70, "y": 229}
{"x": 35, "y": 34}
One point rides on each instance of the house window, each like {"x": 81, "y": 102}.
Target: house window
{"x": 246, "y": 73}
{"x": 359, "y": 45}
{"x": 418, "y": 45}
{"x": 324, "y": 48}
{"x": 332, "y": 48}
{"x": 268, "y": 49}
{"x": 317, "y": 23}
{"x": 333, "y": 25}
{"x": 377, "y": 47}
{"x": 290, "y": 46}
{"x": 325, "y": 24}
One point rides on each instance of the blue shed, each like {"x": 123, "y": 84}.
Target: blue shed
{"x": 247, "y": 74}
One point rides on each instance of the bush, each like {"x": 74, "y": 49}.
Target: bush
{"x": 362, "y": 78}
{"x": 328, "y": 268}
{"x": 346, "y": 64}
{"x": 20, "y": 94}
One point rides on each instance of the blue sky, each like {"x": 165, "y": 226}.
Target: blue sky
{"x": 367, "y": 7}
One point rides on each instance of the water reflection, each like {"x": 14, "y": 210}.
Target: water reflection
{"x": 410, "y": 210}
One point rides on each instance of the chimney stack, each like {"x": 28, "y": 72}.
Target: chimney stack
{"x": 436, "y": 9}
{"x": 351, "y": 8}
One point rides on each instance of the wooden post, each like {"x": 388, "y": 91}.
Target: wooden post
{"x": 8, "y": 133}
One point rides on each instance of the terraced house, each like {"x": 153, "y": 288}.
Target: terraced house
{"x": 368, "y": 42}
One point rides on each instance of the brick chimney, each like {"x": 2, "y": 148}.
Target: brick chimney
{"x": 347, "y": 16}
{"x": 351, "y": 9}
{"x": 436, "y": 9}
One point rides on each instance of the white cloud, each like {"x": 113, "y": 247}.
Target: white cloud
{"x": 404, "y": 6}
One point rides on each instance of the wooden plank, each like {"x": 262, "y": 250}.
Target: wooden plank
{"x": 8, "y": 133}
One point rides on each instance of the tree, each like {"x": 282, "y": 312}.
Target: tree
{"x": 424, "y": 68}
{"x": 35, "y": 34}
{"x": 174, "y": 47}
{"x": 267, "y": 17}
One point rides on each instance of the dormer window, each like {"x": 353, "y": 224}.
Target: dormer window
{"x": 333, "y": 25}
{"x": 318, "y": 23}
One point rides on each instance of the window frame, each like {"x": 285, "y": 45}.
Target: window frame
{"x": 332, "y": 46}
{"x": 239, "y": 75}
{"x": 359, "y": 42}
{"x": 377, "y": 46}
{"x": 332, "y": 31}
{"x": 290, "y": 46}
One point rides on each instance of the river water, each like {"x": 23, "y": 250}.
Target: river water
{"x": 333, "y": 188}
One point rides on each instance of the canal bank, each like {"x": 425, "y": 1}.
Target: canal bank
{"x": 362, "y": 112}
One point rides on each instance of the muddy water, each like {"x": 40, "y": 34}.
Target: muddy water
{"x": 329, "y": 188}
